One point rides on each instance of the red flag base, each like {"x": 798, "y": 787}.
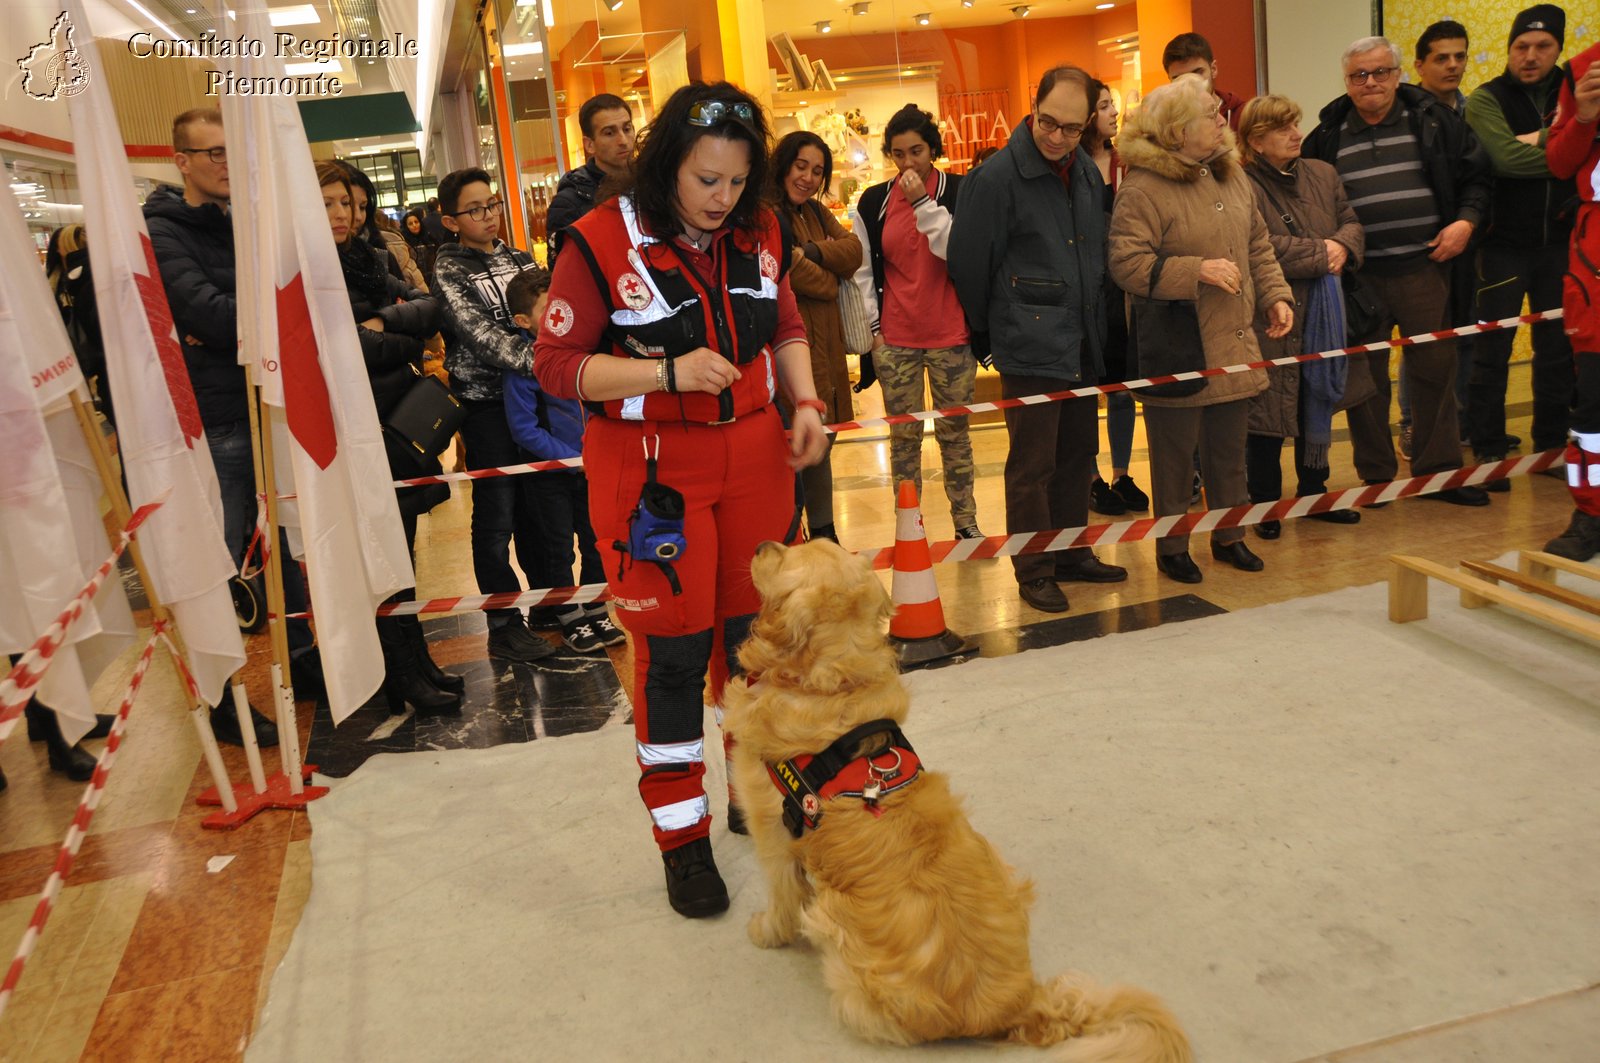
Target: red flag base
{"x": 277, "y": 796}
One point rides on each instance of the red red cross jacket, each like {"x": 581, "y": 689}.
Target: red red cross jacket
{"x": 1573, "y": 149}
{"x": 618, "y": 291}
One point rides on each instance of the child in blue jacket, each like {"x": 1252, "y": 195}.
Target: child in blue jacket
{"x": 546, "y": 428}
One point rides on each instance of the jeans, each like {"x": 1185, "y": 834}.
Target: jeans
{"x": 502, "y": 507}
{"x": 236, "y": 478}
{"x": 563, "y": 504}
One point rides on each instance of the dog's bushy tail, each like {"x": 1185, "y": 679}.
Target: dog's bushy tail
{"x": 1101, "y": 1024}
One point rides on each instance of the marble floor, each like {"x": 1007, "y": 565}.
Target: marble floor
{"x": 164, "y": 936}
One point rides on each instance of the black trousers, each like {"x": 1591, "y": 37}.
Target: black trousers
{"x": 1505, "y": 275}
{"x": 1048, "y": 468}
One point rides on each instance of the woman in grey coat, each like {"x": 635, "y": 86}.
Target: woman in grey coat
{"x": 1314, "y": 233}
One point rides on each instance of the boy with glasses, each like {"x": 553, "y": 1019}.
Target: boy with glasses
{"x": 471, "y": 276}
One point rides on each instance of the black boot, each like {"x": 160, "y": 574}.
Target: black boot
{"x": 403, "y": 681}
{"x": 75, "y": 762}
{"x": 694, "y": 887}
{"x": 101, "y": 728}
{"x": 305, "y": 675}
{"x": 446, "y": 681}
{"x": 1580, "y": 541}
{"x": 225, "y": 724}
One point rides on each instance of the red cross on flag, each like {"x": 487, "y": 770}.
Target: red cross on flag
{"x": 51, "y": 535}
{"x": 159, "y": 434}
{"x": 298, "y": 336}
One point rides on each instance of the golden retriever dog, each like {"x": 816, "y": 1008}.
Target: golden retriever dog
{"x": 922, "y": 927}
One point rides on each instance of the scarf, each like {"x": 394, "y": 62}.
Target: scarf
{"x": 1322, "y": 382}
{"x": 363, "y": 271}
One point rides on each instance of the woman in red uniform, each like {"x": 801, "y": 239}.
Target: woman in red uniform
{"x": 671, "y": 317}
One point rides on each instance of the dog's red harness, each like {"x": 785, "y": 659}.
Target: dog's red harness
{"x": 869, "y": 762}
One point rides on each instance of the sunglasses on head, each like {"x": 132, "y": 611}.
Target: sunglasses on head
{"x": 711, "y": 112}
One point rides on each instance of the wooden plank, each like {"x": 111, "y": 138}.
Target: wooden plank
{"x": 1539, "y": 564}
{"x": 1543, "y": 588}
{"x": 1534, "y": 607}
{"x": 1408, "y": 593}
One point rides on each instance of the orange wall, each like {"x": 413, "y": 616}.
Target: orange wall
{"x": 1010, "y": 55}
{"x": 1159, "y": 22}
{"x": 1230, "y": 26}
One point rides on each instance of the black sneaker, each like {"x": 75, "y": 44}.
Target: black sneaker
{"x": 580, "y": 635}
{"x": 1136, "y": 500}
{"x": 1104, "y": 500}
{"x": 969, "y": 532}
{"x": 515, "y": 643}
{"x": 608, "y": 633}
{"x": 694, "y": 888}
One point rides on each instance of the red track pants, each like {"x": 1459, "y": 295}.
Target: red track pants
{"x": 738, "y": 492}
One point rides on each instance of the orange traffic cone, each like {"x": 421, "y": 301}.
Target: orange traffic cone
{"x": 917, "y": 631}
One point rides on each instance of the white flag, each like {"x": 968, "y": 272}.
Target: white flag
{"x": 161, "y": 440}
{"x": 298, "y": 336}
{"x": 51, "y": 535}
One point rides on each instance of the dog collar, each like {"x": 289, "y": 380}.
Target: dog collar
{"x": 868, "y": 762}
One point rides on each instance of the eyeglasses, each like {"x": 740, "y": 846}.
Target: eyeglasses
{"x": 1380, "y": 75}
{"x": 1049, "y": 127}
{"x": 707, "y": 114}
{"x": 217, "y": 155}
{"x": 488, "y": 210}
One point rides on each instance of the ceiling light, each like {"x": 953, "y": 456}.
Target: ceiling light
{"x": 968, "y": 3}
{"x": 825, "y": 27}
{"x": 860, "y": 9}
{"x": 1021, "y": 11}
{"x": 923, "y": 19}
{"x": 524, "y": 48}
{"x": 299, "y": 15}
{"x": 1104, "y": 7}
{"x": 614, "y": 4}
{"x": 188, "y": 11}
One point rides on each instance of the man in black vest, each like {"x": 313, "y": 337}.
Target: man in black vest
{"x": 1525, "y": 249}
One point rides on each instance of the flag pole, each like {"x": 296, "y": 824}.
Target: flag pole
{"x": 277, "y": 623}
{"x": 111, "y": 482}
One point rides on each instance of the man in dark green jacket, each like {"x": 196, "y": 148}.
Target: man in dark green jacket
{"x": 1027, "y": 256}
{"x": 1525, "y": 249}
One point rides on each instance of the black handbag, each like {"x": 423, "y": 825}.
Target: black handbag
{"x": 424, "y": 420}
{"x": 1363, "y": 313}
{"x": 1164, "y": 338}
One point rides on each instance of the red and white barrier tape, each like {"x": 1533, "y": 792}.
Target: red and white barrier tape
{"x": 79, "y": 827}
{"x": 1133, "y": 531}
{"x": 1051, "y": 396}
{"x": 1051, "y": 540}
{"x": 258, "y": 541}
{"x": 18, "y": 685}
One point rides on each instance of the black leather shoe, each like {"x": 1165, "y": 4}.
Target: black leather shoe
{"x": 1269, "y": 529}
{"x": 413, "y": 688}
{"x": 694, "y": 887}
{"x": 1239, "y": 556}
{"x": 1461, "y": 496}
{"x": 1091, "y": 570}
{"x": 225, "y": 725}
{"x": 1044, "y": 595}
{"x": 1105, "y": 501}
{"x": 75, "y": 762}
{"x": 1180, "y": 567}
{"x": 1336, "y": 516}
{"x": 101, "y": 728}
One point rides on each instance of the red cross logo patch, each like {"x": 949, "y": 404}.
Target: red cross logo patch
{"x": 558, "y": 317}
{"x": 635, "y": 295}
{"x": 769, "y": 265}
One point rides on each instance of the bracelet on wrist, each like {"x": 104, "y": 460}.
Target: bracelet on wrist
{"x": 661, "y": 375}
{"x": 672, "y": 373}
{"x": 812, "y": 404}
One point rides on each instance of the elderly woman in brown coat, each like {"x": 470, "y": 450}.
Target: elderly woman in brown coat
{"x": 1187, "y": 201}
{"x": 1314, "y": 232}
{"x": 824, "y": 256}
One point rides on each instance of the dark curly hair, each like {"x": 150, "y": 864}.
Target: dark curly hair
{"x": 783, "y": 157}
{"x": 913, "y": 119}
{"x": 652, "y": 183}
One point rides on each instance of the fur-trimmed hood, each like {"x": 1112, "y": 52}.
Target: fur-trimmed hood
{"x": 1140, "y": 150}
